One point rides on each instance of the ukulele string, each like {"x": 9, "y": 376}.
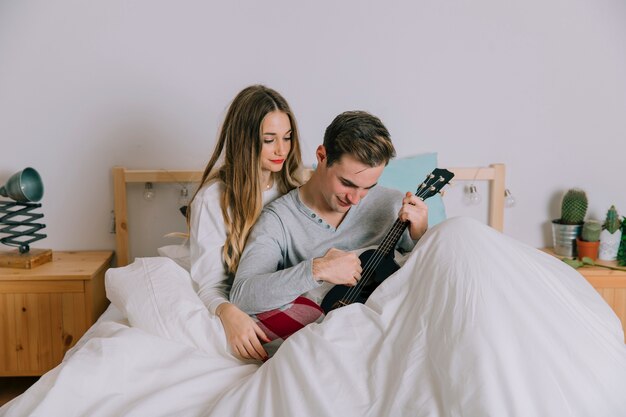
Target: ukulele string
{"x": 374, "y": 261}
{"x": 370, "y": 267}
{"x": 397, "y": 229}
{"x": 384, "y": 248}
{"x": 379, "y": 254}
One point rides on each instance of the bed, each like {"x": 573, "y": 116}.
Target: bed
{"x": 523, "y": 335}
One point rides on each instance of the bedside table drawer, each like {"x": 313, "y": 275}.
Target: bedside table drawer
{"x": 38, "y": 329}
{"x": 609, "y": 283}
{"x": 45, "y": 310}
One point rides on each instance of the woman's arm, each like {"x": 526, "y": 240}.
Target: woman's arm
{"x": 207, "y": 235}
{"x": 242, "y": 333}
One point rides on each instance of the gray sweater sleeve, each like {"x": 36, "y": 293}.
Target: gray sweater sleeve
{"x": 262, "y": 282}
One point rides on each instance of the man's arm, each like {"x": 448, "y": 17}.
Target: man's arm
{"x": 261, "y": 284}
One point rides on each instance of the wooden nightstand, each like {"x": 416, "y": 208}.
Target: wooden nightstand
{"x": 45, "y": 310}
{"x": 610, "y": 284}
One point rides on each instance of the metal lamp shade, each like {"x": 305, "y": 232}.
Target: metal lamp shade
{"x": 24, "y": 186}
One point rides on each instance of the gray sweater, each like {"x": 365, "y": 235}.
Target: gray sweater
{"x": 276, "y": 265}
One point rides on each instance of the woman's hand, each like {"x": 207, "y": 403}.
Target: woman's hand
{"x": 242, "y": 333}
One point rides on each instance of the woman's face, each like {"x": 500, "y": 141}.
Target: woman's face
{"x": 276, "y": 137}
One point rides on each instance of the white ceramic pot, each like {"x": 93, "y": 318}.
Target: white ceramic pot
{"x": 609, "y": 244}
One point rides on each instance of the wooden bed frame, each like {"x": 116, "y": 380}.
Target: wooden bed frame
{"x": 494, "y": 174}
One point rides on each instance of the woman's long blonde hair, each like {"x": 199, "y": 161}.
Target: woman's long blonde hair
{"x": 240, "y": 143}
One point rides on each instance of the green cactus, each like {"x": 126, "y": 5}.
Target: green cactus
{"x": 621, "y": 252}
{"x": 574, "y": 207}
{"x": 591, "y": 231}
{"x": 612, "y": 222}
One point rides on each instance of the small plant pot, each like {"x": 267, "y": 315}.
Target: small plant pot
{"x": 564, "y": 238}
{"x": 609, "y": 245}
{"x": 587, "y": 249}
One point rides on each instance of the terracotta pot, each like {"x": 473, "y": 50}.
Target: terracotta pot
{"x": 588, "y": 249}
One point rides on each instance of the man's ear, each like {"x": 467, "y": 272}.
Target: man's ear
{"x": 320, "y": 153}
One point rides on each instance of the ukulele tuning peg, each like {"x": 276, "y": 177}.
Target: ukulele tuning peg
{"x": 442, "y": 193}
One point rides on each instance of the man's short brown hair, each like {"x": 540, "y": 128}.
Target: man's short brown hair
{"x": 361, "y": 135}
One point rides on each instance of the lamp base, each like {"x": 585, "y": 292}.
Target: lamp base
{"x": 31, "y": 259}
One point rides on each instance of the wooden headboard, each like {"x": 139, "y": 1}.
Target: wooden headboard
{"x": 494, "y": 174}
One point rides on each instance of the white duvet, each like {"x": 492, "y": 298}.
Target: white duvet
{"x": 473, "y": 324}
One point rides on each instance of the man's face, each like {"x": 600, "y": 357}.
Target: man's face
{"x": 345, "y": 182}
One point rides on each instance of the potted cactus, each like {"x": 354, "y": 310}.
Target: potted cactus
{"x": 611, "y": 236}
{"x": 567, "y": 228}
{"x": 589, "y": 241}
{"x": 621, "y": 252}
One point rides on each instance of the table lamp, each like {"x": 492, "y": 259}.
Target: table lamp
{"x": 18, "y": 222}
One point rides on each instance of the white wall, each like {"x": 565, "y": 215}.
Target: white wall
{"x": 539, "y": 85}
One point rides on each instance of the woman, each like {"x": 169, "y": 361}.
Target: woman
{"x": 261, "y": 160}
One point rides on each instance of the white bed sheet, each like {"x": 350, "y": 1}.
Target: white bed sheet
{"x": 111, "y": 315}
{"x": 484, "y": 326}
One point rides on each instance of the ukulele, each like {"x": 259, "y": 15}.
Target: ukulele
{"x": 379, "y": 263}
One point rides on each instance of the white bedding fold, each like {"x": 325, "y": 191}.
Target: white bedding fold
{"x": 474, "y": 324}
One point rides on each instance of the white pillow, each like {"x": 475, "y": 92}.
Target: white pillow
{"x": 157, "y": 296}
{"x": 181, "y": 254}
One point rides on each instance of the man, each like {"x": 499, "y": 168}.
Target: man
{"x": 302, "y": 240}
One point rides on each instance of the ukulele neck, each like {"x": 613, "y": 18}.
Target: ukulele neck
{"x": 392, "y": 238}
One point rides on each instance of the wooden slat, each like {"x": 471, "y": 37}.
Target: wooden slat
{"x": 121, "y": 216}
{"x": 12, "y": 327}
{"x": 40, "y": 287}
{"x": 162, "y": 176}
{"x": 95, "y": 294}
{"x": 31, "y": 315}
{"x": 471, "y": 174}
{"x": 8, "y": 373}
{"x": 4, "y": 332}
{"x": 95, "y": 297}
{"x": 80, "y": 316}
{"x": 44, "y": 321}
{"x": 56, "y": 326}
{"x": 8, "y": 356}
{"x": 73, "y": 315}
{"x": 21, "y": 332}
{"x": 496, "y": 198}
{"x": 69, "y": 321}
